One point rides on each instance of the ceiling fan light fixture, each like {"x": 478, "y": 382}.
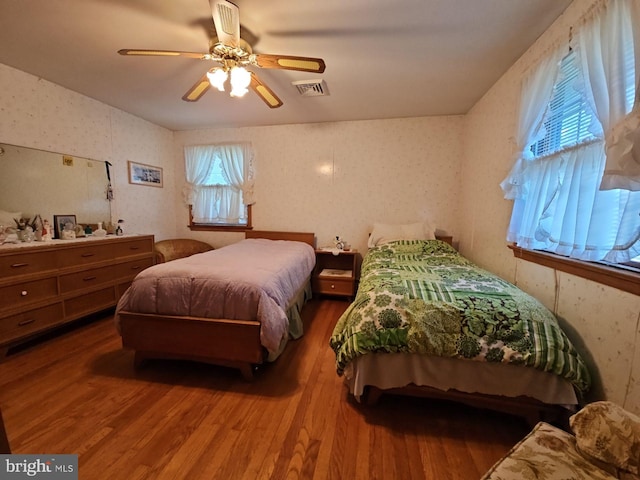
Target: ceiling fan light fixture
{"x": 240, "y": 80}
{"x": 217, "y": 77}
{"x": 232, "y": 53}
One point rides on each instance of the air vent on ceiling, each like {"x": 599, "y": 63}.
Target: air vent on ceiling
{"x": 311, "y": 88}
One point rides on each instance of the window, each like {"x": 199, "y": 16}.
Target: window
{"x": 572, "y": 136}
{"x": 219, "y": 186}
{"x": 569, "y": 117}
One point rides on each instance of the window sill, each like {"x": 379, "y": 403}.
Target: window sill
{"x": 624, "y": 279}
{"x": 220, "y": 227}
{"x": 202, "y": 227}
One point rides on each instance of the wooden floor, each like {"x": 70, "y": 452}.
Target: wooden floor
{"x": 79, "y": 393}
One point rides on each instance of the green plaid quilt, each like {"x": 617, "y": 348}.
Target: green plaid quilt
{"x": 422, "y": 296}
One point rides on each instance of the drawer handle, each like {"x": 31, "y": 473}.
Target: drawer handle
{"x": 18, "y": 265}
{"x": 88, "y": 255}
{"x": 134, "y": 248}
{"x": 88, "y": 279}
{"x": 136, "y": 267}
{"x": 24, "y": 293}
{"x": 26, "y": 322}
{"x": 333, "y": 286}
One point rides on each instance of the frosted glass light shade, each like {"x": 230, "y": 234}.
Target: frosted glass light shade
{"x": 240, "y": 80}
{"x": 217, "y": 77}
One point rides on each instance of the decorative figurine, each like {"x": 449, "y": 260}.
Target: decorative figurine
{"x": 68, "y": 232}
{"x": 47, "y": 231}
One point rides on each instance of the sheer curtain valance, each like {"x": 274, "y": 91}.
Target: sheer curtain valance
{"x": 220, "y": 182}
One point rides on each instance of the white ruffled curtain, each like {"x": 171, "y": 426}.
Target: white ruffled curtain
{"x": 212, "y": 202}
{"x": 237, "y": 167}
{"x": 536, "y": 92}
{"x": 609, "y": 71}
{"x": 560, "y": 205}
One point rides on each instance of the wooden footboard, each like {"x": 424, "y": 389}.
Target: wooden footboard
{"x": 231, "y": 343}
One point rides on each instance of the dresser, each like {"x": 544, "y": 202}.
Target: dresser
{"x": 46, "y": 284}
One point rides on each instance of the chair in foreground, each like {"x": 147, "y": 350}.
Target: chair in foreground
{"x": 605, "y": 445}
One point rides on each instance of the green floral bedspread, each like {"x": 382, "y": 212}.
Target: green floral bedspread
{"x": 424, "y": 297}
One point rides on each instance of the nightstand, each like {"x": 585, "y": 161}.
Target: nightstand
{"x": 336, "y": 274}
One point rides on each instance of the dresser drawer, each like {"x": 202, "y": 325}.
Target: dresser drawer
{"x": 131, "y": 269}
{"x": 29, "y": 322}
{"x": 28, "y": 292}
{"x": 92, "y": 302}
{"x": 27, "y": 262}
{"x": 334, "y": 286}
{"x": 85, "y": 255}
{"x": 87, "y": 278}
{"x": 128, "y": 248}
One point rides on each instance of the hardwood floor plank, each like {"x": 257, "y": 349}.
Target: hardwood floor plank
{"x": 78, "y": 392}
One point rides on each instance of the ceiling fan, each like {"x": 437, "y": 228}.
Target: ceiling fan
{"x": 233, "y": 54}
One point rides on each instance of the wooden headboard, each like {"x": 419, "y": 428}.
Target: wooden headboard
{"x": 306, "y": 237}
{"x": 445, "y": 238}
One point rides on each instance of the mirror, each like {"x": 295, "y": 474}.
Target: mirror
{"x": 39, "y": 182}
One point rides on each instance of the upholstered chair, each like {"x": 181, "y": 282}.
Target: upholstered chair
{"x": 172, "y": 249}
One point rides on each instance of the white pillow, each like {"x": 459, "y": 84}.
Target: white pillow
{"x": 6, "y": 218}
{"x": 385, "y": 233}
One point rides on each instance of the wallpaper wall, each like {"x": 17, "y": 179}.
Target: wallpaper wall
{"x": 603, "y": 322}
{"x": 340, "y": 178}
{"x": 39, "y": 114}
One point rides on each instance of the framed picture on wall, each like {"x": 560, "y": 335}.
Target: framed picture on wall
{"x": 59, "y": 221}
{"x": 141, "y": 174}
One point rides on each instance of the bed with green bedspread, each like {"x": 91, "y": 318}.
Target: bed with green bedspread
{"x": 423, "y": 297}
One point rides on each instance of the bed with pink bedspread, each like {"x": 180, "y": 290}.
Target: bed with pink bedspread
{"x": 235, "y": 306}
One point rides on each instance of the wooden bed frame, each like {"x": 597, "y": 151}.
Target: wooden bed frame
{"x": 529, "y": 409}
{"x": 220, "y": 341}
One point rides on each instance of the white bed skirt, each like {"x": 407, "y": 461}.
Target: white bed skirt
{"x": 394, "y": 370}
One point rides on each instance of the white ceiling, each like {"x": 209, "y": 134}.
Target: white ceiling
{"x": 384, "y": 59}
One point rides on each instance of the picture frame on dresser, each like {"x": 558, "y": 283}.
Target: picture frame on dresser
{"x": 142, "y": 174}
{"x": 59, "y": 221}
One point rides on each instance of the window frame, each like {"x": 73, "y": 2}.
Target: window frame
{"x": 624, "y": 276}
{"x": 228, "y": 227}
{"x": 220, "y": 227}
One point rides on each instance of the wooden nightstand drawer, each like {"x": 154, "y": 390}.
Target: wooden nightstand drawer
{"x": 333, "y": 286}
{"x": 28, "y": 292}
{"x": 31, "y": 321}
{"x": 335, "y": 274}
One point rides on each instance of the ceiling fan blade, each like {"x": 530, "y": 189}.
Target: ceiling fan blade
{"x": 161, "y": 53}
{"x": 226, "y": 17}
{"x": 287, "y": 62}
{"x": 264, "y": 92}
{"x": 198, "y": 90}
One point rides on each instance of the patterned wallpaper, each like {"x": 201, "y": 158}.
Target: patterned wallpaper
{"x": 340, "y": 178}
{"x": 39, "y": 114}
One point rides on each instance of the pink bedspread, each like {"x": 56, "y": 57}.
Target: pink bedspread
{"x": 254, "y": 279}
